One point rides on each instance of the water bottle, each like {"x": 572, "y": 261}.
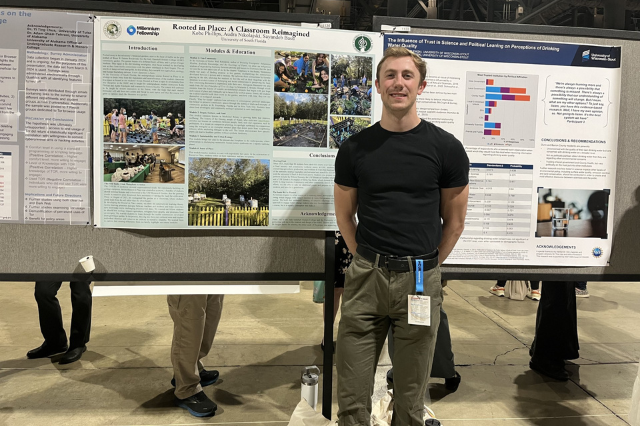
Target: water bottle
{"x": 309, "y": 390}
{"x": 318, "y": 291}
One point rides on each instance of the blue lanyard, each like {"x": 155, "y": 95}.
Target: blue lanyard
{"x": 419, "y": 276}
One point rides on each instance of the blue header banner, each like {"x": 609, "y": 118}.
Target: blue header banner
{"x": 507, "y": 51}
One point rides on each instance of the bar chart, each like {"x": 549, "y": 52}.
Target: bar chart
{"x": 500, "y": 110}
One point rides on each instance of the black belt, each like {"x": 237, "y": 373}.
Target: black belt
{"x": 399, "y": 263}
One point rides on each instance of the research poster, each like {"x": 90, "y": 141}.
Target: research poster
{"x": 45, "y": 110}
{"x": 222, "y": 124}
{"x": 539, "y": 122}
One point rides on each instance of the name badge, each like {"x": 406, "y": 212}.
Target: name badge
{"x": 419, "y": 310}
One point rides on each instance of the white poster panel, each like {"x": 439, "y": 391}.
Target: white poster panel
{"x": 220, "y": 124}
{"x": 539, "y": 122}
{"x": 45, "y": 95}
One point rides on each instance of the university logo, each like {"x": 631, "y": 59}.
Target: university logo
{"x": 597, "y": 252}
{"x": 586, "y": 55}
{"x": 362, "y": 43}
{"x": 112, "y": 29}
{"x": 131, "y": 30}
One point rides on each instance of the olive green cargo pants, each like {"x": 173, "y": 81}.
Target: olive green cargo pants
{"x": 374, "y": 300}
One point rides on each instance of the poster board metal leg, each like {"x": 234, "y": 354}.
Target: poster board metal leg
{"x": 327, "y": 360}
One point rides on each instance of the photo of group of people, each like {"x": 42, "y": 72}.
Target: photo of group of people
{"x": 143, "y": 164}
{"x": 302, "y": 84}
{"x": 228, "y": 192}
{"x": 144, "y": 121}
{"x": 352, "y": 86}
{"x": 301, "y": 72}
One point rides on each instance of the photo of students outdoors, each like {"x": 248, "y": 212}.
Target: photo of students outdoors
{"x": 342, "y": 128}
{"x": 228, "y": 192}
{"x": 351, "y": 85}
{"x": 144, "y": 121}
{"x": 575, "y": 213}
{"x": 143, "y": 164}
{"x": 300, "y": 119}
{"x": 301, "y": 72}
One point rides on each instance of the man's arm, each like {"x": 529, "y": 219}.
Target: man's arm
{"x": 453, "y": 209}
{"x": 346, "y": 204}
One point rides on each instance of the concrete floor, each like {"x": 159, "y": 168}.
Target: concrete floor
{"x": 123, "y": 378}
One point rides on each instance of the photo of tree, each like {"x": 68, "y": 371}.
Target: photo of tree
{"x": 228, "y": 192}
{"x": 300, "y": 119}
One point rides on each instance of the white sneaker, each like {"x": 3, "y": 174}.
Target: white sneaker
{"x": 498, "y": 291}
{"x": 582, "y": 293}
{"x": 534, "y": 295}
{"x": 430, "y": 418}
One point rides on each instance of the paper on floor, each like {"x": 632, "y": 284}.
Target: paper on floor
{"x": 304, "y": 415}
{"x": 634, "y": 414}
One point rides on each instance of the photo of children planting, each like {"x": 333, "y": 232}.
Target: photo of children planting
{"x": 352, "y": 85}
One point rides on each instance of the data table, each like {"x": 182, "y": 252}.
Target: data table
{"x": 500, "y": 199}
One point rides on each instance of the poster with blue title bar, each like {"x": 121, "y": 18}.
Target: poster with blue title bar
{"x": 539, "y": 122}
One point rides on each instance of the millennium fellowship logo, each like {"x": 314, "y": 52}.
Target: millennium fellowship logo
{"x": 112, "y": 29}
{"x": 131, "y": 30}
{"x": 362, "y": 43}
{"x": 597, "y": 252}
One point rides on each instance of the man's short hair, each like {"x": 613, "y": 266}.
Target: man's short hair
{"x": 401, "y": 52}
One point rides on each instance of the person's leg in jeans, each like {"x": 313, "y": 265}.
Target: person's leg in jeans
{"x": 50, "y": 314}
{"x": 81, "y": 302}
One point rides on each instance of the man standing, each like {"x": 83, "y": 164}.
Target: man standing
{"x": 50, "y": 316}
{"x": 195, "y": 322}
{"x": 407, "y": 179}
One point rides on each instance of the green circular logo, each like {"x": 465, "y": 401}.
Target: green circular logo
{"x": 112, "y": 29}
{"x": 362, "y": 43}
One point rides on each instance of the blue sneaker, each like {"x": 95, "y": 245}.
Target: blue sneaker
{"x": 207, "y": 378}
{"x": 198, "y": 405}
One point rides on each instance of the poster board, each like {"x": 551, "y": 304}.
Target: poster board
{"x": 539, "y": 123}
{"x": 45, "y": 117}
{"x": 223, "y": 124}
{"x": 623, "y": 265}
{"x": 33, "y": 252}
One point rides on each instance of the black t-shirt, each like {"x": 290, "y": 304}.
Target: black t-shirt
{"x": 399, "y": 176}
